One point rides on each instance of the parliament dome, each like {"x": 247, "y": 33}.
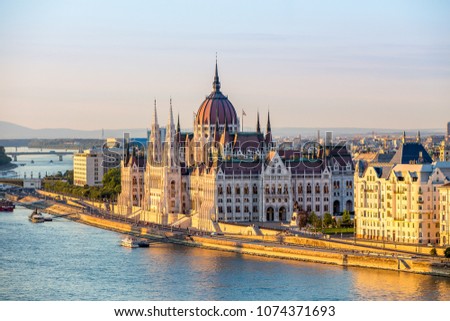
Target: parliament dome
{"x": 216, "y": 108}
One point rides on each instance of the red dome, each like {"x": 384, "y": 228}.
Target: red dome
{"x": 216, "y": 105}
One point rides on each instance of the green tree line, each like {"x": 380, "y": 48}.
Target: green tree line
{"x": 63, "y": 183}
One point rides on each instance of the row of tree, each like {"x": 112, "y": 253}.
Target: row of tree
{"x": 327, "y": 221}
{"x": 63, "y": 183}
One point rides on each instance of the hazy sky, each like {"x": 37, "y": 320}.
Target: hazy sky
{"x": 93, "y": 64}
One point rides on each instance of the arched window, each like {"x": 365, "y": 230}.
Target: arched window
{"x": 220, "y": 190}
{"x": 286, "y": 191}
{"x": 246, "y": 191}
{"x": 134, "y": 181}
{"x": 228, "y": 189}
{"x": 308, "y": 189}
{"x": 267, "y": 189}
{"x": 300, "y": 189}
{"x": 255, "y": 189}
{"x": 279, "y": 188}
{"x": 317, "y": 188}
{"x": 238, "y": 190}
{"x": 273, "y": 188}
{"x": 325, "y": 188}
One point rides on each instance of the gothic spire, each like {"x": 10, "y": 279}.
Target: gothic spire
{"x": 178, "y": 124}
{"x": 268, "y": 129}
{"x": 258, "y": 127}
{"x": 170, "y": 124}
{"x": 216, "y": 83}
{"x": 155, "y": 114}
{"x": 268, "y": 136}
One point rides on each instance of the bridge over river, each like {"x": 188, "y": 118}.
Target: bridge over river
{"x": 52, "y": 152}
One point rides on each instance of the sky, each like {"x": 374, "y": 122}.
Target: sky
{"x": 100, "y": 64}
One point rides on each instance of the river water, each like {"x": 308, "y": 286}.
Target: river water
{"x": 64, "y": 260}
{"x": 37, "y": 164}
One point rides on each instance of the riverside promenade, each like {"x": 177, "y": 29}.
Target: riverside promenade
{"x": 282, "y": 246}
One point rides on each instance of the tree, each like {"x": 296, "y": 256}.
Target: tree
{"x": 69, "y": 176}
{"x": 314, "y": 220}
{"x": 4, "y": 159}
{"x": 447, "y": 252}
{"x": 327, "y": 219}
{"x": 433, "y": 251}
{"x": 346, "y": 219}
{"x": 111, "y": 184}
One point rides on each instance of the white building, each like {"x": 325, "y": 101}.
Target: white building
{"x": 221, "y": 174}
{"x": 88, "y": 168}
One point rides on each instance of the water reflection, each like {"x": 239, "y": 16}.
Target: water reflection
{"x": 62, "y": 260}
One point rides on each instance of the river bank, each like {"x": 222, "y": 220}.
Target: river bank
{"x": 290, "y": 248}
{"x": 7, "y": 167}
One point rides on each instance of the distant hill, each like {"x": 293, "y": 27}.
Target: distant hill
{"x": 13, "y": 131}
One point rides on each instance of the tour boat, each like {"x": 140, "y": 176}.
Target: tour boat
{"x": 129, "y": 242}
{"x": 6, "y": 206}
{"x": 36, "y": 217}
{"x": 143, "y": 243}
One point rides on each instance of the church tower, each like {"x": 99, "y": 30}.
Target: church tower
{"x": 171, "y": 198}
{"x": 154, "y": 144}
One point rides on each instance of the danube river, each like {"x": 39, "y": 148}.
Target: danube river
{"x": 37, "y": 164}
{"x": 64, "y": 260}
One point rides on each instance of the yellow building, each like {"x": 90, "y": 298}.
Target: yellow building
{"x": 399, "y": 201}
{"x": 444, "y": 207}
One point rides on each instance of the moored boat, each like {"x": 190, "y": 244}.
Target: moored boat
{"x": 143, "y": 243}
{"x": 129, "y": 242}
{"x": 36, "y": 217}
{"x": 6, "y": 206}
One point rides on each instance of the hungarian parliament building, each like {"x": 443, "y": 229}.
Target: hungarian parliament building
{"x": 218, "y": 173}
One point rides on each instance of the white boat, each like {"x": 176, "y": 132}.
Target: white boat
{"x": 129, "y": 242}
{"x": 36, "y": 217}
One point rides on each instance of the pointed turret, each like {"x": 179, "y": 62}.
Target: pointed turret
{"x": 268, "y": 137}
{"x": 418, "y": 136}
{"x": 216, "y": 83}
{"x": 154, "y": 144}
{"x": 258, "y": 126}
{"x": 170, "y": 139}
{"x": 178, "y": 124}
{"x": 404, "y": 137}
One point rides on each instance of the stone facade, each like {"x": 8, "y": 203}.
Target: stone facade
{"x": 399, "y": 201}
{"x": 220, "y": 174}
